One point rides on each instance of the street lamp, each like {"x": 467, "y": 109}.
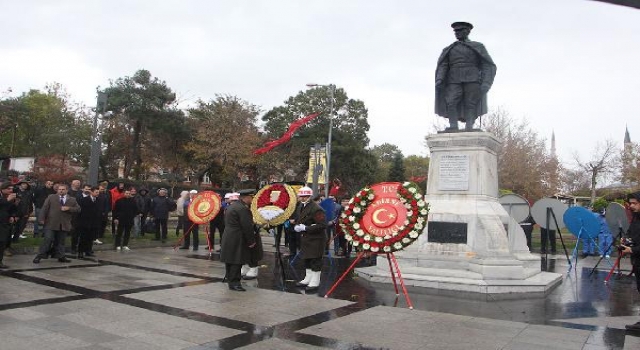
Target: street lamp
{"x": 96, "y": 139}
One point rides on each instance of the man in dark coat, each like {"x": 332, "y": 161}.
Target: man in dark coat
{"x": 39, "y": 195}
{"x": 56, "y": 216}
{"x": 311, "y": 225}
{"x": 632, "y": 244}
{"x": 238, "y": 239}
{"x": 143, "y": 200}
{"x": 104, "y": 200}
{"x": 7, "y": 215}
{"x": 464, "y": 75}
{"x": 124, "y": 212}
{"x": 88, "y": 221}
{"x": 24, "y": 204}
{"x": 159, "y": 209}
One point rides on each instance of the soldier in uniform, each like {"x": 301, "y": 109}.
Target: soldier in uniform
{"x": 311, "y": 225}
{"x": 464, "y": 75}
{"x": 238, "y": 239}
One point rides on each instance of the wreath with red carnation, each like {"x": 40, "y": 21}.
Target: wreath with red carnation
{"x": 417, "y": 211}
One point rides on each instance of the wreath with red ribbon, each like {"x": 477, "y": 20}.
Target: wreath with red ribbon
{"x": 273, "y": 213}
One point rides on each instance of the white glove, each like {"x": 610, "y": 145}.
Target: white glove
{"x": 300, "y": 228}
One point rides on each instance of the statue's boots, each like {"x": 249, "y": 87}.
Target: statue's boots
{"x": 453, "y": 124}
{"x": 469, "y": 123}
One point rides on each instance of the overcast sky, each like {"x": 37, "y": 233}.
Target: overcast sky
{"x": 566, "y": 65}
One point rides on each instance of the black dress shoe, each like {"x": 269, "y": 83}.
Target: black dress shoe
{"x": 64, "y": 260}
{"x": 80, "y": 256}
{"x": 237, "y": 288}
{"x": 633, "y": 327}
{"x": 3, "y": 266}
{"x": 36, "y": 260}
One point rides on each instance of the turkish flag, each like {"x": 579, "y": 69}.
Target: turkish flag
{"x": 286, "y": 136}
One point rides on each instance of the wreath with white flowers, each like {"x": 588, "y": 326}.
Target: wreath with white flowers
{"x": 417, "y": 213}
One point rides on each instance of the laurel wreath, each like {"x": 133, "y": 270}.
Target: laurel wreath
{"x": 417, "y": 213}
{"x": 286, "y": 202}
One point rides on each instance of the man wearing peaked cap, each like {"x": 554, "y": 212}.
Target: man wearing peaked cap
{"x": 238, "y": 238}
{"x": 247, "y": 192}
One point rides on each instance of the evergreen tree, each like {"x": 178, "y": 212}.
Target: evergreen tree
{"x": 396, "y": 173}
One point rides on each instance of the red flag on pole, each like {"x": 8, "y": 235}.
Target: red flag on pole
{"x": 286, "y": 136}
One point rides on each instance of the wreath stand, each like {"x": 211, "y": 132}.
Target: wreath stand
{"x": 391, "y": 258}
{"x": 621, "y": 254}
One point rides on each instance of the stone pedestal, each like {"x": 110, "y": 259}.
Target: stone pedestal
{"x": 470, "y": 243}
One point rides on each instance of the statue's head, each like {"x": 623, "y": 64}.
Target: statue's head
{"x": 462, "y": 29}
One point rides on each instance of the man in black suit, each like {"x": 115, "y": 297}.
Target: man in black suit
{"x": 88, "y": 220}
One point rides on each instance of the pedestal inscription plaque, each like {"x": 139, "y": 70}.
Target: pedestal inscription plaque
{"x": 454, "y": 172}
{"x": 447, "y": 232}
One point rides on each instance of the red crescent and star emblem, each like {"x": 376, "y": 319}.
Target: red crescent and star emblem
{"x": 386, "y": 214}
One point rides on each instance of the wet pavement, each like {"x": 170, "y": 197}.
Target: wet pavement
{"x": 158, "y": 298}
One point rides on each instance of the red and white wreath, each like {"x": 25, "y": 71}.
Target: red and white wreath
{"x": 359, "y": 220}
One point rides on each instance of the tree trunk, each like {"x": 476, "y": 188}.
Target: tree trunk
{"x": 594, "y": 175}
{"x": 136, "y": 153}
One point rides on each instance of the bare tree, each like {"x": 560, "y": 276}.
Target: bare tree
{"x": 602, "y": 163}
{"x": 524, "y": 164}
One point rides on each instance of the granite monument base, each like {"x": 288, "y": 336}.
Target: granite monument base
{"x": 470, "y": 243}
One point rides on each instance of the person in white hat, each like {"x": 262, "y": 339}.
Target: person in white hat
{"x": 190, "y": 228}
{"x": 311, "y": 225}
{"x": 184, "y": 195}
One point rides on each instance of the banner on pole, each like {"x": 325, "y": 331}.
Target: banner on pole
{"x": 317, "y": 156}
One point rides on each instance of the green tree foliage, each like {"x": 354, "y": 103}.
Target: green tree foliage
{"x": 396, "y": 173}
{"x": 224, "y": 138}
{"x": 351, "y": 162}
{"x": 417, "y": 169}
{"x": 40, "y": 123}
{"x": 384, "y": 155}
{"x": 145, "y": 113}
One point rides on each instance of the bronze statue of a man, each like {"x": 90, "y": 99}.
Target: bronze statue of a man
{"x": 464, "y": 74}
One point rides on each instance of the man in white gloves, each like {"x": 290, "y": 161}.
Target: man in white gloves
{"x": 312, "y": 227}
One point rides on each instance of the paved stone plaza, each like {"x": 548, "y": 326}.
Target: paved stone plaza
{"x": 158, "y": 298}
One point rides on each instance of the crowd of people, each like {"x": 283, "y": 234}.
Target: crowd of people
{"x": 82, "y": 213}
